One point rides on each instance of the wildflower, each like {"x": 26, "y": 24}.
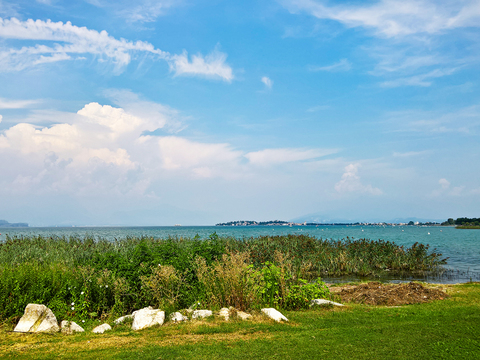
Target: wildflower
{"x": 73, "y": 308}
{"x": 106, "y": 286}
{"x": 81, "y": 293}
{"x": 83, "y": 321}
{"x": 73, "y": 303}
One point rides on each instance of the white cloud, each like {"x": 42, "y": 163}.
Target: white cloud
{"x": 444, "y": 183}
{"x": 145, "y": 10}
{"x": 464, "y": 121}
{"x": 70, "y": 42}
{"x": 409, "y": 154}
{"x": 350, "y": 182}
{"x": 279, "y": 156}
{"x": 137, "y": 11}
{"x": 342, "y": 65}
{"x": 181, "y": 153}
{"x": 418, "y": 80}
{"x": 16, "y": 104}
{"x": 1, "y": 118}
{"x": 267, "y": 81}
{"x": 211, "y": 66}
{"x": 391, "y": 18}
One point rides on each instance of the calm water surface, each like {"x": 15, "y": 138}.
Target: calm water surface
{"x": 462, "y": 247}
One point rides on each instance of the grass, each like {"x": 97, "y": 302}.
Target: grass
{"x": 447, "y": 329}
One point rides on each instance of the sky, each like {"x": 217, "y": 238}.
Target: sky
{"x": 196, "y": 112}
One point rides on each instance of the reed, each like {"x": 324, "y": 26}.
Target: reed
{"x": 108, "y": 278}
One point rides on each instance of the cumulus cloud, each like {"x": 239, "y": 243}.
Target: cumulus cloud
{"x": 342, "y": 65}
{"x": 278, "y": 156}
{"x": 446, "y": 189}
{"x": 267, "y": 81}
{"x": 350, "y": 182}
{"x": 70, "y": 42}
{"x": 117, "y": 150}
{"x": 211, "y": 66}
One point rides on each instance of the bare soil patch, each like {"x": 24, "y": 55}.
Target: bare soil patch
{"x": 375, "y": 293}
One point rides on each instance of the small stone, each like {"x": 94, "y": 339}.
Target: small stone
{"x": 69, "y": 327}
{"x": 225, "y": 313}
{"x": 102, "y": 328}
{"x": 243, "y": 315}
{"x": 274, "y": 314}
{"x": 37, "y": 318}
{"x": 325, "y": 302}
{"x": 177, "y": 317}
{"x": 147, "y": 317}
{"x": 122, "y": 319}
{"x": 199, "y": 314}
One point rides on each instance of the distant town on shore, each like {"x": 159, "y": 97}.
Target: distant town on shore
{"x": 289, "y": 223}
{"x": 459, "y": 222}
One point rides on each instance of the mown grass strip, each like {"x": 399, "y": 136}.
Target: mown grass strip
{"x": 446, "y": 329}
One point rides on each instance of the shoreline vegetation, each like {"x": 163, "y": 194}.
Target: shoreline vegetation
{"x": 87, "y": 278}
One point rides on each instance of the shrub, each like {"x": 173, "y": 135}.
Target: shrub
{"x": 231, "y": 281}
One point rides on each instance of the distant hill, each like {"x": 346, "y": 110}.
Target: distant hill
{"x": 6, "y": 224}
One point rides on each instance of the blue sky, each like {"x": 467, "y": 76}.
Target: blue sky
{"x": 198, "y": 112}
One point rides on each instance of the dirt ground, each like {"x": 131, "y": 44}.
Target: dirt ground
{"x": 375, "y": 293}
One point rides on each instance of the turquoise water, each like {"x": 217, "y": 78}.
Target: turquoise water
{"x": 462, "y": 247}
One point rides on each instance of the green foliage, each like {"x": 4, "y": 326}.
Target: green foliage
{"x": 81, "y": 278}
{"x": 300, "y": 296}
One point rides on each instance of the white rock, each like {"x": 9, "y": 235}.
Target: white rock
{"x": 177, "y": 317}
{"x": 243, "y": 315}
{"x": 102, "y": 328}
{"x": 147, "y": 317}
{"x": 37, "y": 318}
{"x": 274, "y": 314}
{"x": 325, "y": 302}
{"x": 225, "y": 313}
{"x": 199, "y": 314}
{"x": 122, "y": 319}
{"x": 69, "y": 327}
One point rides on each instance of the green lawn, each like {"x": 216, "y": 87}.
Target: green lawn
{"x": 446, "y": 329}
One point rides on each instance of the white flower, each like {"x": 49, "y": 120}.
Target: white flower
{"x": 106, "y": 286}
{"x": 73, "y": 303}
{"x": 83, "y": 321}
{"x": 81, "y": 293}
{"x": 73, "y": 308}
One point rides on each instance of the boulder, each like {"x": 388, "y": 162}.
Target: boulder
{"x": 37, "y": 318}
{"x": 100, "y": 329}
{"x": 69, "y": 327}
{"x": 122, "y": 319}
{"x": 243, "y": 315}
{"x": 324, "y": 302}
{"x": 274, "y": 314}
{"x": 147, "y": 317}
{"x": 200, "y": 314}
{"x": 177, "y": 317}
{"x": 225, "y": 313}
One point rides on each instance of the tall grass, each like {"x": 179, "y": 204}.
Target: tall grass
{"x": 81, "y": 278}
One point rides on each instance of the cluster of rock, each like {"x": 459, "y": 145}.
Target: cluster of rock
{"x": 39, "y": 318}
